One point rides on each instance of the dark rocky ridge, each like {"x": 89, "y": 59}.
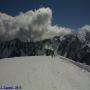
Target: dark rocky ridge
{"x": 70, "y": 46}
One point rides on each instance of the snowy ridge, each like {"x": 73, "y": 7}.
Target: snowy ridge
{"x": 82, "y": 66}
{"x": 43, "y": 73}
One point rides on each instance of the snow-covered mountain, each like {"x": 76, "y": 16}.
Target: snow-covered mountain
{"x": 42, "y": 73}
{"x": 69, "y": 46}
{"x": 33, "y": 33}
{"x": 72, "y": 47}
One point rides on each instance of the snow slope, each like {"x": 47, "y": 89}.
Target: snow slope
{"x": 43, "y": 73}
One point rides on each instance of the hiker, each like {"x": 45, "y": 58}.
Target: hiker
{"x": 49, "y": 52}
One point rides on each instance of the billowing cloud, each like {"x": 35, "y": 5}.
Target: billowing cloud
{"x": 32, "y": 25}
{"x": 84, "y": 33}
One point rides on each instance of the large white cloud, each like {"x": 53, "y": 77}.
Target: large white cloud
{"x": 32, "y": 25}
{"x": 84, "y": 33}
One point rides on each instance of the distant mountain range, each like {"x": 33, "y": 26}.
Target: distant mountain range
{"x": 69, "y": 46}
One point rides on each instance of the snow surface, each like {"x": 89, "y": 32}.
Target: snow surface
{"x": 43, "y": 73}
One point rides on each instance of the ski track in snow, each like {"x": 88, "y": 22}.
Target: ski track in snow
{"x": 43, "y": 73}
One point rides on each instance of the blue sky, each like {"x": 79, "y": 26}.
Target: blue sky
{"x": 68, "y": 13}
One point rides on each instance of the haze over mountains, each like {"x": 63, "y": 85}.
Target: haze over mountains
{"x": 32, "y": 33}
